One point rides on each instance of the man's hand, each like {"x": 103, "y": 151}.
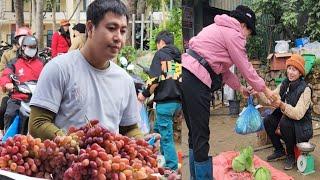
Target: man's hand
{"x": 141, "y": 98}
{"x": 9, "y": 87}
{"x": 153, "y": 139}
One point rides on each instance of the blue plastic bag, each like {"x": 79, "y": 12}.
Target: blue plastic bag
{"x": 13, "y": 129}
{"x": 250, "y": 120}
{"x": 144, "y": 124}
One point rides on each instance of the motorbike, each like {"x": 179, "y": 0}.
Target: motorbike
{"x": 20, "y": 121}
{"x": 139, "y": 84}
{"x": 129, "y": 67}
{"x": 45, "y": 55}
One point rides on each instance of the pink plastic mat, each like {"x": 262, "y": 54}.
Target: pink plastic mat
{"x": 222, "y": 168}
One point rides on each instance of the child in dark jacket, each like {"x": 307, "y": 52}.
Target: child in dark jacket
{"x": 165, "y": 73}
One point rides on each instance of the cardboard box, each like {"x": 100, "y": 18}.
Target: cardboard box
{"x": 278, "y": 60}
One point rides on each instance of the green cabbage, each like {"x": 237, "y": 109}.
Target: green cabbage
{"x": 262, "y": 173}
{"x": 238, "y": 164}
{"x": 244, "y": 161}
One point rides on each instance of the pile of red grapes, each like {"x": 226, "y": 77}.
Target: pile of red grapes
{"x": 88, "y": 152}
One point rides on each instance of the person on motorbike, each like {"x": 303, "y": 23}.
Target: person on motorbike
{"x": 6, "y": 57}
{"x": 26, "y": 67}
{"x": 12, "y": 53}
{"x": 85, "y": 84}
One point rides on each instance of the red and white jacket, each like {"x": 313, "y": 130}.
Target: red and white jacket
{"x": 25, "y": 70}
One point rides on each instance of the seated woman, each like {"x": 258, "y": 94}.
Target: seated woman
{"x": 291, "y": 120}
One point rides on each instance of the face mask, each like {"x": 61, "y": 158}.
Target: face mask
{"x": 20, "y": 40}
{"x": 30, "y": 52}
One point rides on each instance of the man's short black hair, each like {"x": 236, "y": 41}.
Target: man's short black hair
{"x": 98, "y": 8}
{"x": 165, "y": 36}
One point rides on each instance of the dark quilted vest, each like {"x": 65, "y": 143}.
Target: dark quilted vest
{"x": 290, "y": 93}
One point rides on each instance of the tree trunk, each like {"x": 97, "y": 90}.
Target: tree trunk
{"x": 78, "y": 12}
{"x": 131, "y": 5}
{"x": 2, "y": 9}
{"x": 34, "y": 12}
{"x": 39, "y": 23}
{"x": 30, "y": 14}
{"x": 141, "y": 8}
{"x": 54, "y": 9}
{"x": 18, "y": 8}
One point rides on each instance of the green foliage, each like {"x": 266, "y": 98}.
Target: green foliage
{"x": 143, "y": 76}
{"x": 129, "y": 53}
{"x": 173, "y": 24}
{"x": 254, "y": 47}
{"x": 293, "y": 18}
{"x": 313, "y": 25}
{"x": 156, "y": 4}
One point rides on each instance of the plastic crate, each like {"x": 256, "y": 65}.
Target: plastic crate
{"x": 278, "y": 80}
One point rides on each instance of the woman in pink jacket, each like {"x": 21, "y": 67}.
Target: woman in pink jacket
{"x": 205, "y": 66}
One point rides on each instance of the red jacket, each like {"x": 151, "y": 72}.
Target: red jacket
{"x": 25, "y": 70}
{"x": 59, "y": 44}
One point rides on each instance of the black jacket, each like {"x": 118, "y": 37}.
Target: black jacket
{"x": 162, "y": 72}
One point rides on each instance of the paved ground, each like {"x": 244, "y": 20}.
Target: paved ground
{"x": 223, "y": 138}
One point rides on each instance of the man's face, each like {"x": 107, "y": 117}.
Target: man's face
{"x": 109, "y": 35}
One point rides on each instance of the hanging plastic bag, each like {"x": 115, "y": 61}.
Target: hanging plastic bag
{"x": 13, "y": 129}
{"x": 250, "y": 120}
{"x": 144, "y": 123}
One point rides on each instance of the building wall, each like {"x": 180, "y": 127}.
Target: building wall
{"x": 7, "y": 25}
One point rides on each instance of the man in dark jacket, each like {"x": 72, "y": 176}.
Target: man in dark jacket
{"x": 165, "y": 73}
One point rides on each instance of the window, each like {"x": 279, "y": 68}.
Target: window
{"x": 84, "y": 5}
{"x": 58, "y": 5}
{"x": 12, "y": 6}
{"x": 49, "y": 38}
{"x": 48, "y": 5}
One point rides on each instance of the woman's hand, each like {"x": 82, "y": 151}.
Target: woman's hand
{"x": 252, "y": 91}
{"x": 272, "y": 96}
{"x": 244, "y": 91}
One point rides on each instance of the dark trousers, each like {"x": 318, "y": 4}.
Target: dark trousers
{"x": 11, "y": 111}
{"x": 196, "y": 108}
{"x": 3, "y": 108}
{"x": 287, "y": 130}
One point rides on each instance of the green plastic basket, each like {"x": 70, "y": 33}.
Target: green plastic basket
{"x": 309, "y": 60}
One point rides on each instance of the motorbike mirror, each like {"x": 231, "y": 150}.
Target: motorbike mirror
{"x": 123, "y": 61}
{"x": 24, "y": 90}
{"x": 14, "y": 77}
{"x": 130, "y": 67}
